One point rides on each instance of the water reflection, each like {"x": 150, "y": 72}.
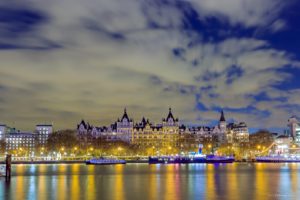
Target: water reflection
{"x": 143, "y": 181}
{"x": 119, "y": 185}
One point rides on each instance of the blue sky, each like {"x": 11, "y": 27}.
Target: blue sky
{"x": 64, "y": 60}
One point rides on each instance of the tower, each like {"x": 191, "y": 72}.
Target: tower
{"x": 170, "y": 124}
{"x": 293, "y": 124}
{"x": 222, "y": 129}
{"x": 125, "y": 127}
{"x": 222, "y": 123}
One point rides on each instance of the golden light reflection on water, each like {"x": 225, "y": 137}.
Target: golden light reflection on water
{"x": 61, "y": 182}
{"x": 168, "y": 182}
{"x": 90, "y": 193}
{"x": 119, "y": 182}
{"x": 260, "y": 182}
{"x": 177, "y": 181}
{"x": 153, "y": 182}
{"x": 20, "y": 169}
{"x": 266, "y": 180}
{"x": 42, "y": 187}
{"x": 75, "y": 187}
{"x": 42, "y": 169}
{"x": 294, "y": 177}
{"x": 210, "y": 182}
{"x": 168, "y": 185}
{"x": 232, "y": 180}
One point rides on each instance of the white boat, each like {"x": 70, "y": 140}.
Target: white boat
{"x": 104, "y": 161}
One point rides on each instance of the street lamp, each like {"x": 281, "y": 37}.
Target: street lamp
{"x": 119, "y": 150}
{"x": 209, "y": 147}
{"x": 170, "y": 148}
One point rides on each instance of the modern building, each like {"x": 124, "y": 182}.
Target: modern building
{"x": 294, "y": 129}
{"x": 43, "y": 131}
{"x": 2, "y": 131}
{"x": 18, "y": 142}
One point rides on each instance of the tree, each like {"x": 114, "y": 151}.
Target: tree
{"x": 2, "y": 146}
{"x": 62, "y": 140}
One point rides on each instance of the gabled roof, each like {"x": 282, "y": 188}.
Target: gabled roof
{"x": 82, "y": 123}
{"x": 170, "y": 116}
{"x": 125, "y": 116}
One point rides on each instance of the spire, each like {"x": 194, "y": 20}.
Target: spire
{"x": 222, "y": 118}
{"x": 125, "y": 116}
{"x": 170, "y": 115}
{"x": 143, "y": 122}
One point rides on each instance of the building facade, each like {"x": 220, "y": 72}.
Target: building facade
{"x": 294, "y": 129}
{"x": 237, "y": 133}
{"x": 2, "y": 131}
{"x": 43, "y": 131}
{"x": 19, "y": 142}
{"x": 165, "y": 135}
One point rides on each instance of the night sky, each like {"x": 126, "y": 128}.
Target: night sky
{"x": 64, "y": 60}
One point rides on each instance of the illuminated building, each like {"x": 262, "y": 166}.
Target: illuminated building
{"x": 20, "y": 141}
{"x": 159, "y": 136}
{"x": 168, "y": 133}
{"x": 282, "y": 144}
{"x": 43, "y": 131}
{"x": 27, "y": 141}
{"x": 294, "y": 128}
{"x": 237, "y": 133}
{"x": 2, "y": 131}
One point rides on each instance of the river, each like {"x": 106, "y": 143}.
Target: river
{"x": 147, "y": 182}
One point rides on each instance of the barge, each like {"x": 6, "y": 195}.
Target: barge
{"x": 190, "y": 159}
{"x": 104, "y": 161}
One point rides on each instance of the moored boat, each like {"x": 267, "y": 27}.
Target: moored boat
{"x": 219, "y": 159}
{"x": 190, "y": 159}
{"x": 104, "y": 161}
{"x": 278, "y": 159}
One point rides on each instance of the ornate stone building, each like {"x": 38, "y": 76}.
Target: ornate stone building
{"x": 166, "y": 135}
{"x": 237, "y": 133}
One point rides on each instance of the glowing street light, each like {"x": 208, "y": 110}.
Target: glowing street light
{"x": 119, "y": 150}
{"x": 209, "y": 147}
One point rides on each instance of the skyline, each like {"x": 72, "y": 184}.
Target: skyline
{"x": 96, "y": 57}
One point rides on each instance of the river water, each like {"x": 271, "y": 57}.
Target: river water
{"x": 143, "y": 182}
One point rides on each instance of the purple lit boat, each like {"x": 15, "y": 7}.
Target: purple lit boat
{"x": 278, "y": 159}
{"x": 190, "y": 159}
